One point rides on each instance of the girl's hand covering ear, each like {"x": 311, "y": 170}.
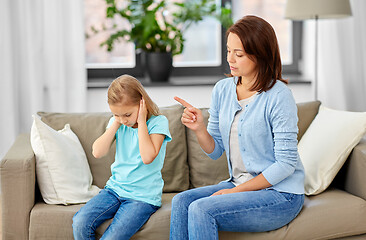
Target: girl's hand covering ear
{"x": 142, "y": 111}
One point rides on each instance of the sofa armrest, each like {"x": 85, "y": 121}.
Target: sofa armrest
{"x": 17, "y": 171}
{"x": 355, "y": 173}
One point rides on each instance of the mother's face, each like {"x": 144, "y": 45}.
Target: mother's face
{"x": 240, "y": 63}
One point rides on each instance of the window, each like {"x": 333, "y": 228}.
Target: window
{"x": 123, "y": 55}
{"x": 205, "y": 45}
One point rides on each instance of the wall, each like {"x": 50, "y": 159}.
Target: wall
{"x": 198, "y": 96}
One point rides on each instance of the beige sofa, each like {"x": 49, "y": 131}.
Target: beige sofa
{"x": 339, "y": 212}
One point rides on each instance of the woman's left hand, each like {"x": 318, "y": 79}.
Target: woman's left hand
{"x": 223, "y": 191}
{"x": 142, "y": 112}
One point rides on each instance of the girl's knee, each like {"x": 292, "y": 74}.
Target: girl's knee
{"x": 79, "y": 222}
{"x": 81, "y": 227}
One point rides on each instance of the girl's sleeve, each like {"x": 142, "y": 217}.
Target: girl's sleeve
{"x": 283, "y": 119}
{"x": 160, "y": 125}
{"x": 213, "y": 127}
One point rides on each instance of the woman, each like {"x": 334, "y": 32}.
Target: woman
{"x": 253, "y": 118}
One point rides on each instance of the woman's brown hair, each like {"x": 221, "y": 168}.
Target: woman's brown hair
{"x": 260, "y": 43}
{"x": 128, "y": 90}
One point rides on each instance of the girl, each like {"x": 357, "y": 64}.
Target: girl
{"x": 253, "y": 118}
{"x": 133, "y": 192}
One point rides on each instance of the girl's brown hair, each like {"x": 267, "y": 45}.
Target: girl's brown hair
{"x": 260, "y": 43}
{"x": 128, "y": 90}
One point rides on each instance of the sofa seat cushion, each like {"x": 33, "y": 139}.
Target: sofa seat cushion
{"x": 52, "y": 221}
{"x": 55, "y": 222}
{"x": 332, "y": 214}
{"x": 157, "y": 227}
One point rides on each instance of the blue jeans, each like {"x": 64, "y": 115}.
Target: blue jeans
{"x": 128, "y": 216}
{"x": 196, "y": 215}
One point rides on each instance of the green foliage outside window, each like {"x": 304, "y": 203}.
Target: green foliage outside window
{"x": 159, "y": 25}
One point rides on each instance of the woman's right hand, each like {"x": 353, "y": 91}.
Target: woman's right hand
{"x": 192, "y": 117}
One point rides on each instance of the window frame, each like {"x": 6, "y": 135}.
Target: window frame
{"x": 137, "y": 71}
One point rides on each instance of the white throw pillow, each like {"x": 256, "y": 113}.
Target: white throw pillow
{"x": 326, "y": 145}
{"x": 62, "y": 169}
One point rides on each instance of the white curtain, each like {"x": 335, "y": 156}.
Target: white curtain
{"x": 342, "y": 60}
{"x": 41, "y": 62}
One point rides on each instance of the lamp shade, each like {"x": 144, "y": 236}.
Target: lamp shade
{"x": 309, "y": 9}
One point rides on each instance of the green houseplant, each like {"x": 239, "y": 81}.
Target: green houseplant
{"x": 157, "y": 27}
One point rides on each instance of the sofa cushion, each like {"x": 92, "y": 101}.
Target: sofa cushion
{"x": 55, "y": 221}
{"x": 306, "y": 113}
{"x": 88, "y": 127}
{"x": 332, "y": 214}
{"x": 203, "y": 170}
{"x": 326, "y": 145}
{"x": 63, "y": 172}
{"x": 157, "y": 227}
{"x": 52, "y": 221}
{"x": 175, "y": 169}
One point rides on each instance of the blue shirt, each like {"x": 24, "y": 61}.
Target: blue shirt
{"x": 267, "y": 132}
{"x": 131, "y": 178}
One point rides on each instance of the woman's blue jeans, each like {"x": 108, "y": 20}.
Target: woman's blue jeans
{"x": 128, "y": 216}
{"x": 196, "y": 215}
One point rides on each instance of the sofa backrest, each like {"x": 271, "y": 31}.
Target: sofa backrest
{"x": 185, "y": 165}
{"x": 203, "y": 170}
{"x": 89, "y": 126}
{"x": 175, "y": 170}
{"x": 306, "y": 113}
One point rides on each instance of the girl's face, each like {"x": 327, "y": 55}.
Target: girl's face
{"x": 125, "y": 114}
{"x": 240, "y": 64}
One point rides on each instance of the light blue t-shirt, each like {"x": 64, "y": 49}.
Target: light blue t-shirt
{"x": 131, "y": 178}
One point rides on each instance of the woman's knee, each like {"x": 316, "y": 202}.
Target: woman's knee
{"x": 199, "y": 207}
{"x": 181, "y": 199}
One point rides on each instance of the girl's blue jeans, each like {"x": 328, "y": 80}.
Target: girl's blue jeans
{"x": 196, "y": 215}
{"x": 128, "y": 216}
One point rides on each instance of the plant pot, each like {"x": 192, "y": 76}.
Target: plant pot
{"x": 159, "y": 66}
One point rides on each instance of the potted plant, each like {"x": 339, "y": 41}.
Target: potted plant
{"x": 157, "y": 28}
